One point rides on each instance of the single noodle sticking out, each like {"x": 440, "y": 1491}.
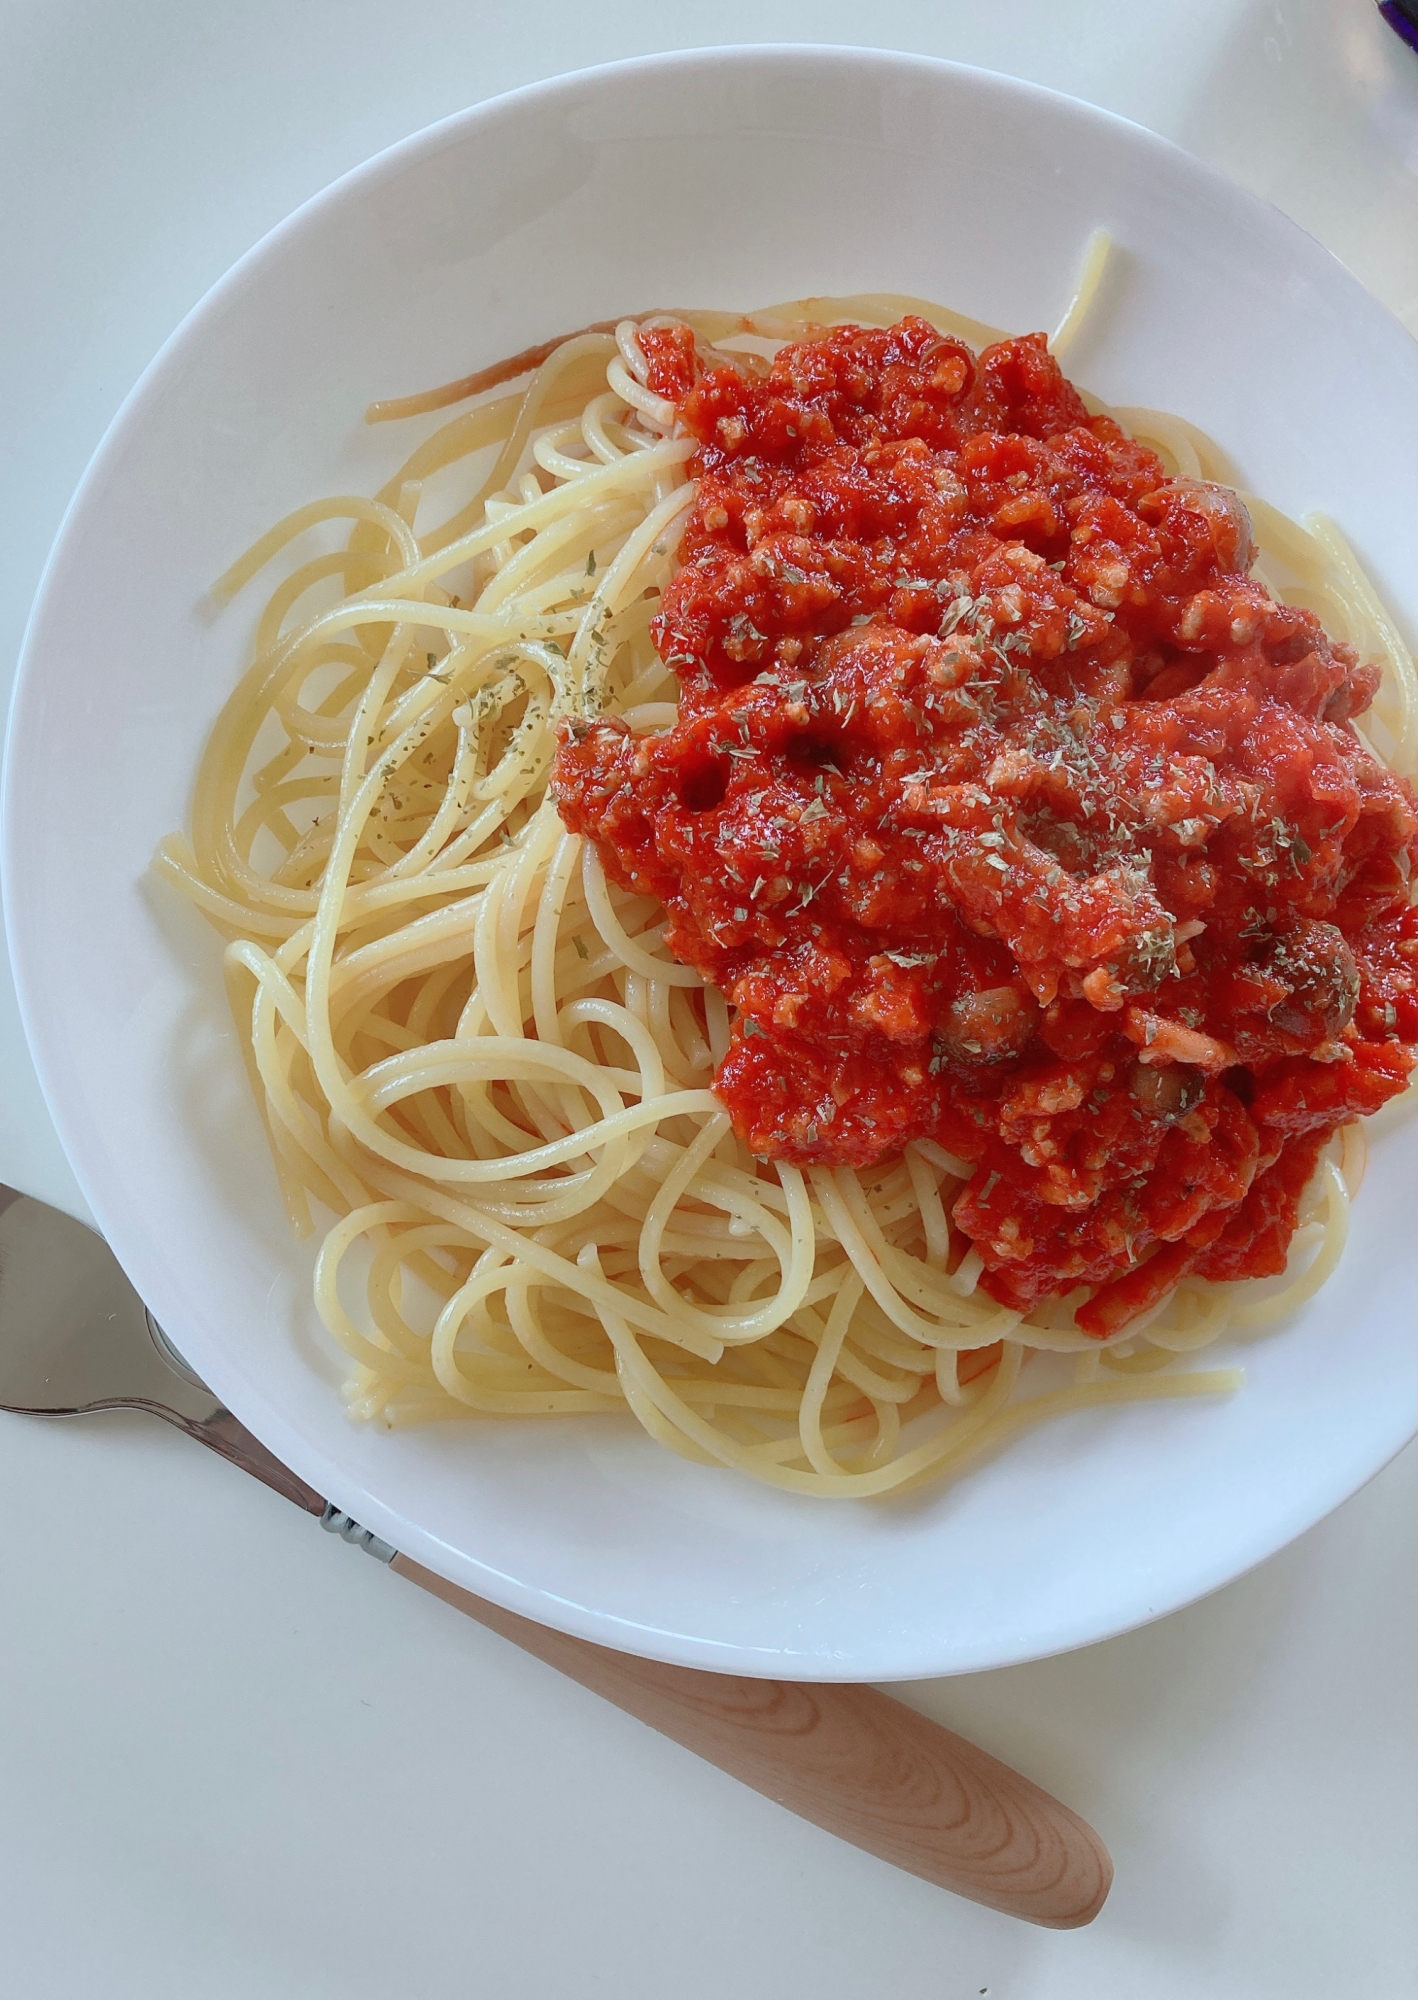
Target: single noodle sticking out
{"x": 1010, "y": 812}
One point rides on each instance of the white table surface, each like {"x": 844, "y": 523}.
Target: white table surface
{"x": 238, "y": 1759}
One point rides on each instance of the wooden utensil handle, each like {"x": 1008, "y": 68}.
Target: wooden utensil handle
{"x": 851, "y": 1760}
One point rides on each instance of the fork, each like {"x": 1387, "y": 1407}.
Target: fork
{"x": 76, "y": 1338}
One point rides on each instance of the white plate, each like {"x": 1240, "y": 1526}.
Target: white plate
{"x": 727, "y": 177}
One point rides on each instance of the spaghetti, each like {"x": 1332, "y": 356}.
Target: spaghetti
{"x": 471, "y": 1044}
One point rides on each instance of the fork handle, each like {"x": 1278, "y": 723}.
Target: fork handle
{"x": 852, "y": 1761}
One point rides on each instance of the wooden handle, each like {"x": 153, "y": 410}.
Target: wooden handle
{"x": 850, "y": 1760}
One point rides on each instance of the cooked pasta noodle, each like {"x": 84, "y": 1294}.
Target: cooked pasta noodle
{"x": 475, "y": 1051}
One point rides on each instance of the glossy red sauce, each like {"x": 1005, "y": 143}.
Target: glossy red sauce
{"x": 1009, "y": 812}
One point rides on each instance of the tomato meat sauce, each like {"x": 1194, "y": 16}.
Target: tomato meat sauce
{"x": 1009, "y": 812}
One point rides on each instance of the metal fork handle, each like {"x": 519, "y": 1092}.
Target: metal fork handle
{"x": 223, "y": 1434}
